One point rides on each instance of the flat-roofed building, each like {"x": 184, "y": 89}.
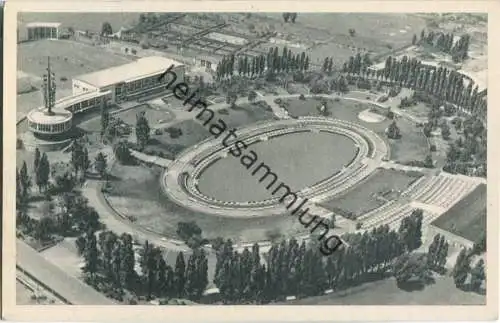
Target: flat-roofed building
{"x": 133, "y": 80}
{"x": 60, "y": 120}
{"x": 43, "y": 30}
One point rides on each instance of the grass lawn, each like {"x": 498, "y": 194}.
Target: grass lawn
{"x": 420, "y": 110}
{"x": 298, "y": 159}
{"x": 67, "y": 59}
{"x": 467, "y": 218}
{"x": 411, "y": 146}
{"x": 192, "y": 133}
{"x": 152, "y": 113}
{"x": 381, "y": 186}
{"x": 193, "y": 130}
{"x": 136, "y": 193}
{"x": 245, "y": 114}
{"x": 386, "y": 292}
{"x": 327, "y": 33}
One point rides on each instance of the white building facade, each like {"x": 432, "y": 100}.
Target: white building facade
{"x": 131, "y": 81}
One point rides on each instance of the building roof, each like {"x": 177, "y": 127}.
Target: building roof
{"x": 60, "y": 115}
{"x": 141, "y": 68}
{"x": 43, "y": 24}
{"x": 76, "y": 98}
{"x": 40, "y": 116}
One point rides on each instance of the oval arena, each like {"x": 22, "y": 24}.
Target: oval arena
{"x": 181, "y": 182}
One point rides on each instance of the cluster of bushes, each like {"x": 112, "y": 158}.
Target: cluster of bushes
{"x": 408, "y": 102}
{"x": 263, "y": 104}
{"x": 426, "y": 163}
{"x": 394, "y": 91}
{"x": 174, "y": 132}
{"x": 364, "y": 84}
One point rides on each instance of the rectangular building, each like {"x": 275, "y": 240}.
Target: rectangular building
{"x": 43, "y": 30}
{"x": 131, "y": 81}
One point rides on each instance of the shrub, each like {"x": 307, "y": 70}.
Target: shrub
{"x": 395, "y": 90}
{"x": 19, "y": 144}
{"x": 273, "y": 234}
{"x": 302, "y": 97}
{"x": 190, "y": 233}
{"x": 364, "y": 84}
{"x": 433, "y": 148}
{"x": 407, "y": 102}
{"x": 359, "y": 225}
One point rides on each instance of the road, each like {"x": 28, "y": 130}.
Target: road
{"x": 116, "y": 223}
{"x": 66, "y": 287}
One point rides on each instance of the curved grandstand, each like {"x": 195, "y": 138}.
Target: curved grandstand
{"x": 180, "y": 182}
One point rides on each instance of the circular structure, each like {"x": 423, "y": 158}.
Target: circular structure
{"x": 41, "y": 122}
{"x": 181, "y": 181}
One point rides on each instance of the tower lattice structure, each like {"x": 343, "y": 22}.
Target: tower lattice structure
{"x": 49, "y": 89}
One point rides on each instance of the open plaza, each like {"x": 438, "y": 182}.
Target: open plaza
{"x": 364, "y": 160}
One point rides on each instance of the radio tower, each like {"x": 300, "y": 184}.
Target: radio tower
{"x": 49, "y": 89}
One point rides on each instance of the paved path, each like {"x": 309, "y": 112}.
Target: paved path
{"x": 159, "y": 161}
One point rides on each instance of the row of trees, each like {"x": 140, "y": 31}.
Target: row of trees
{"x": 443, "y": 84}
{"x": 327, "y": 65}
{"x": 289, "y": 268}
{"x": 438, "y": 84}
{"x": 445, "y": 42}
{"x": 296, "y": 269}
{"x": 289, "y": 16}
{"x": 271, "y": 63}
{"x": 110, "y": 267}
{"x": 357, "y": 64}
{"x": 42, "y": 170}
{"x": 438, "y": 251}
